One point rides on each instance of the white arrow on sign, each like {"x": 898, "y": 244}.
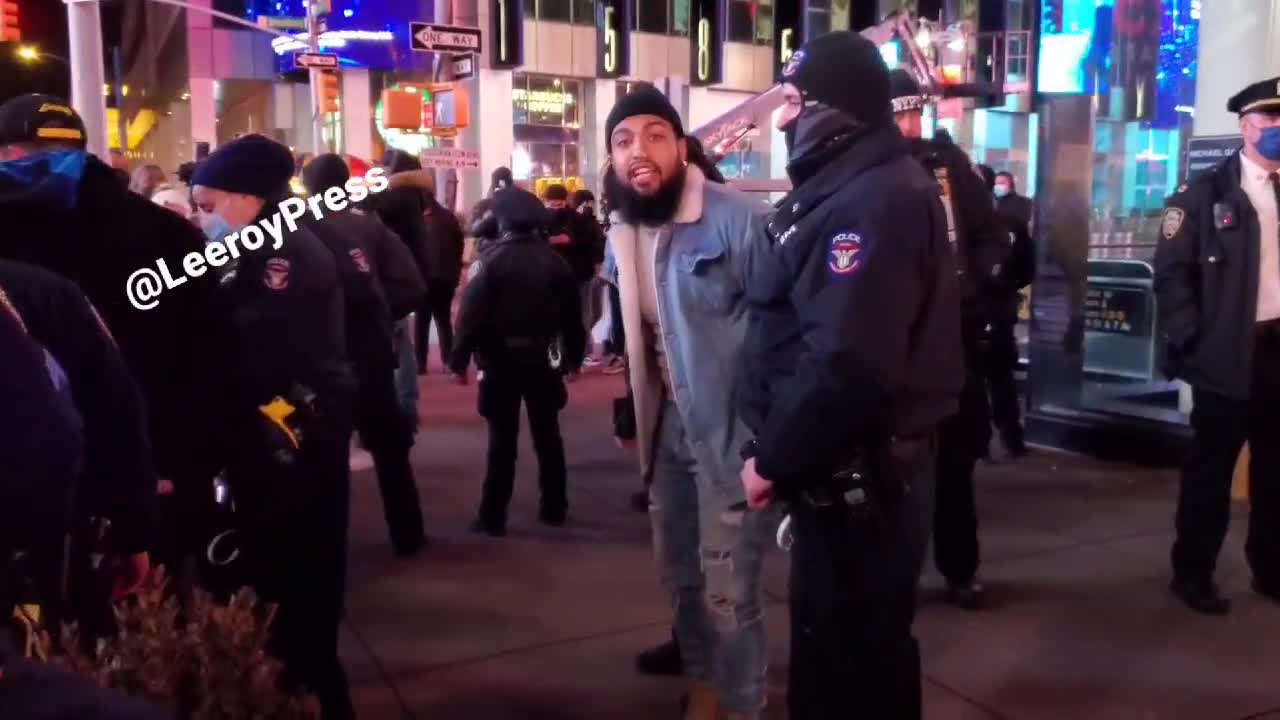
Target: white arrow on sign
{"x": 318, "y": 60}
{"x": 457, "y": 158}
{"x": 445, "y": 38}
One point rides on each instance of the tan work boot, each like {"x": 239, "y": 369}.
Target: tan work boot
{"x": 702, "y": 703}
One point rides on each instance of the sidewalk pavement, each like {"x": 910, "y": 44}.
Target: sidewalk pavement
{"x": 544, "y": 624}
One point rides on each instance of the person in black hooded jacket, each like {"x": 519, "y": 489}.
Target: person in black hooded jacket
{"x": 66, "y": 211}
{"x": 349, "y": 235}
{"x": 981, "y": 245}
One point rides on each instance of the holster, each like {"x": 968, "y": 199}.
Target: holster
{"x": 875, "y": 477}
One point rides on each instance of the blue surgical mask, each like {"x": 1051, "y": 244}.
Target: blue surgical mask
{"x": 1269, "y": 144}
{"x": 1001, "y": 190}
{"x": 215, "y": 228}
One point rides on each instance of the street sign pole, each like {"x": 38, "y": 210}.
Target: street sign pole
{"x": 444, "y": 14}
{"x": 318, "y": 145}
{"x": 84, "y": 22}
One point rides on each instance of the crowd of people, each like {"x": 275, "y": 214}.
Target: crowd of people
{"x": 832, "y": 367}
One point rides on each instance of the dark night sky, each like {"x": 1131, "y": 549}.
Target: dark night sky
{"x": 44, "y": 24}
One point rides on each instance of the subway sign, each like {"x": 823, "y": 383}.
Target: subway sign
{"x": 507, "y": 29}
{"x": 789, "y": 32}
{"x": 613, "y": 38}
{"x": 706, "y": 41}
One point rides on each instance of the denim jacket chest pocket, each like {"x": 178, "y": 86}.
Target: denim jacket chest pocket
{"x": 707, "y": 281}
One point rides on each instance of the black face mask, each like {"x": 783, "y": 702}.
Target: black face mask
{"x": 813, "y": 128}
{"x": 789, "y": 136}
{"x": 814, "y": 136}
{"x": 651, "y": 210}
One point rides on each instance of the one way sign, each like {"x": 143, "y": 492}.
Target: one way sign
{"x": 444, "y": 38}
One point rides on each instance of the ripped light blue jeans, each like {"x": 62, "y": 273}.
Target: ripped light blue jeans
{"x": 710, "y": 551}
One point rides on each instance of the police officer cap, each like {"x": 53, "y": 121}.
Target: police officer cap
{"x": 1260, "y": 97}
{"x": 842, "y": 70}
{"x": 249, "y": 165}
{"x": 518, "y": 210}
{"x": 906, "y": 92}
{"x": 40, "y": 119}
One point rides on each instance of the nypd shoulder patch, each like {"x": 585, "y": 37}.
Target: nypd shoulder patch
{"x": 1172, "y": 222}
{"x": 843, "y": 255}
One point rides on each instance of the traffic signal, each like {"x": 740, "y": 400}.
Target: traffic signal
{"x": 9, "y": 22}
{"x": 330, "y": 92}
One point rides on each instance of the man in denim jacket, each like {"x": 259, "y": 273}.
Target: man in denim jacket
{"x": 678, "y": 250}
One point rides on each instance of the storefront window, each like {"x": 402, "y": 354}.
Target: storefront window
{"x": 653, "y": 16}
{"x": 818, "y": 18}
{"x": 741, "y": 23}
{"x": 553, "y": 10}
{"x": 1114, "y": 134}
{"x": 680, "y": 17}
{"x": 840, "y": 14}
{"x": 584, "y": 12}
{"x": 547, "y": 113}
{"x": 764, "y": 22}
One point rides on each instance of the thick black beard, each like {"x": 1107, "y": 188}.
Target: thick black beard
{"x": 649, "y": 210}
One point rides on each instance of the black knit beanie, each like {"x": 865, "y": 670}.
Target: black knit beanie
{"x": 325, "y": 171}
{"x": 644, "y": 100}
{"x": 250, "y": 165}
{"x": 842, "y": 70}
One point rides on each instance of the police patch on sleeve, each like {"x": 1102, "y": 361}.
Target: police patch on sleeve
{"x": 359, "y": 260}
{"x": 793, "y": 64}
{"x": 843, "y": 257}
{"x": 1172, "y": 222}
{"x": 276, "y": 276}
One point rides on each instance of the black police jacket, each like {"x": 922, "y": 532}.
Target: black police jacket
{"x": 1206, "y": 281}
{"x": 980, "y": 241}
{"x": 397, "y": 271}
{"x": 368, "y": 330}
{"x": 93, "y": 231}
{"x": 523, "y": 298}
{"x": 118, "y": 481}
{"x": 1019, "y": 269}
{"x": 288, "y": 319}
{"x": 854, "y": 334}
{"x": 42, "y": 450}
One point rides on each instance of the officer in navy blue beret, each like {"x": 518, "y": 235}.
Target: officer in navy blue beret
{"x": 1217, "y": 287}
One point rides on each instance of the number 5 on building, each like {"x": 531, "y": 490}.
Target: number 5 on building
{"x": 610, "y": 41}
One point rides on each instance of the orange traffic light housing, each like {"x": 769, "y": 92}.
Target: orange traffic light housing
{"x": 9, "y": 30}
{"x": 330, "y": 92}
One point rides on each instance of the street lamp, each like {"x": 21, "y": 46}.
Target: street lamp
{"x": 30, "y": 54}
